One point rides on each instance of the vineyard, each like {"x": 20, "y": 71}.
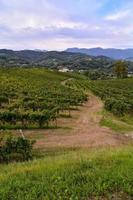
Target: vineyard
{"x": 35, "y": 98}
{"x": 69, "y": 158}
{"x": 117, "y": 95}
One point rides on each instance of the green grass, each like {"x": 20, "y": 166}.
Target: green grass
{"x": 115, "y": 125}
{"x": 70, "y": 176}
{"x": 128, "y": 119}
{"x": 118, "y": 124}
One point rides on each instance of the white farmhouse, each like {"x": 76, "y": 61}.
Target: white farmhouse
{"x": 63, "y": 70}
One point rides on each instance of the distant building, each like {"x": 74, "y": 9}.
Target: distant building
{"x": 63, "y": 70}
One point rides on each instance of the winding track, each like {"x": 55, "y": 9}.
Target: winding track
{"x": 85, "y": 130}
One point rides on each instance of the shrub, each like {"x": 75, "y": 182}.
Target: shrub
{"x": 117, "y": 106}
{"x": 15, "y": 149}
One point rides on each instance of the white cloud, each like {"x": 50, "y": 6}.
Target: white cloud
{"x": 119, "y": 15}
{"x": 58, "y": 24}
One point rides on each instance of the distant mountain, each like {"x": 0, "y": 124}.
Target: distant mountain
{"x": 112, "y": 53}
{"x": 55, "y": 59}
{"x": 130, "y": 59}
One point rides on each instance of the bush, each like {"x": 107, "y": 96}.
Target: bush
{"x": 117, "y": 106}
{"x": 15, "y": 149}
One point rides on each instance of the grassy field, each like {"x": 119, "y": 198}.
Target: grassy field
{"x": 118, "y": 124}
{"x": 95, "y": 174}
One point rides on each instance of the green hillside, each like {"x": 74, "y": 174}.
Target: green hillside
{"x": 31, "y": 98}
{"x": 53, "y": 59}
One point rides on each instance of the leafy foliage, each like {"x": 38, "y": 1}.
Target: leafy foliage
{"x": 15, "y": 149}
{"x": 121, "y": 69}
{"x": 96, "y": 74}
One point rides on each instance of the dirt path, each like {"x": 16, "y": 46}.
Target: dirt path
{"x": 84, "y": 130}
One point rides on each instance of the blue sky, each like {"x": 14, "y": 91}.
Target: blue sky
{"x": 59, "y": 24}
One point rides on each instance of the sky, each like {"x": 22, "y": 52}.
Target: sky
{"x": 61, "y": 24}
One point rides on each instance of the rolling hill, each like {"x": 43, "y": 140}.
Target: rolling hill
{"x": 53, "y": 59}
{"x": 56, "y": 59}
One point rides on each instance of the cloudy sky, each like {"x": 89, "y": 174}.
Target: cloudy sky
{"x": 59, "y": 24}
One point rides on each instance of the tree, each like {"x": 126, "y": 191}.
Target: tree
{"x": 96, "y": 74}
{"x": 121, "y": 69}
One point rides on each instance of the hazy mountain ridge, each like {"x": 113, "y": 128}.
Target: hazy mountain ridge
{"x": 110, "y": 52}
